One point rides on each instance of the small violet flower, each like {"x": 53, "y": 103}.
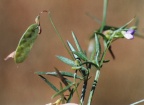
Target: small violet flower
{"x": 129, "y": 34}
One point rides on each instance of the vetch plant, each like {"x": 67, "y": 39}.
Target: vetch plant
{"x": 80, "y": 63}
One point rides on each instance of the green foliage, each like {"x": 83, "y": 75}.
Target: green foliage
{"x": 63, "y": 90}
{"x": 77, "y": 43}
{"x": 80, "y": 55}
{"x": 98, "y": 50}
{"x": 66, "y": 60}
{"x": 63, "y": 73}
{"x": 49, "y": 83}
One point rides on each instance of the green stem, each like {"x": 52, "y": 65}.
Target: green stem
{"x": 84, "y": 86}
{"x": 59, "y": 35}
{"x": 106, "y": 49}
{"x": 137, "y": 102}
{"x": 93, "y": 87}
{"x": 104, "y": 15}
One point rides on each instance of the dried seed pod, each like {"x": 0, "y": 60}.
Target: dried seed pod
{"x": 26, "y": 42}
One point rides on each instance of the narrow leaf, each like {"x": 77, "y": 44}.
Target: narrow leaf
{"x": 62, "y": 95}
{"x": 111, "y": 52}
{"x": 104, "y": 15}
{"x": 98, "y": 49}
{"x": 73, "y": 91}
{"x": 63, "y": 73}
{"x": 135, "y": 103}
{"x": 62, "y": 91}
{"x": 72, "y": 49}
{"x": 92, "y": 56}
{"x": 127, "y": 23}
{"x": 49, "y": 83}
{"x": 81, "y": 55}
{"x": 77, "y": 43}
{"x": 70, "y": 96}
{"x": 66, "y": 60}
{"x": 62, "y": 78}
{"x": 94, "y": 18}
{"x": 102, "y": 35}
{"x": 91, "y": 63}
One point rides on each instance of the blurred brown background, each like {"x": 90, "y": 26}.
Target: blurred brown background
{"x": 121, "y": 81}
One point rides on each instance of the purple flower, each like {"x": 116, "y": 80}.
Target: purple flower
{"x": 129, "y": 34}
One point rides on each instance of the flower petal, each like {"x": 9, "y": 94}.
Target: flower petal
{"x": 131, "y": 31}
{"x": 127, "y": 35}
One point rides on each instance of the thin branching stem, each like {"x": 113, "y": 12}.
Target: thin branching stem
{"x": 98, "y": 71}
{"x": 59, "y": 35}
{"x": 93, "y": 87}
{"x": 83, "y": 91}
{"x": 104, "y": 15}
{"x": 135, "y": 103}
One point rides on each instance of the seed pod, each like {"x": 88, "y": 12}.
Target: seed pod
{"x": 26, "y": 42}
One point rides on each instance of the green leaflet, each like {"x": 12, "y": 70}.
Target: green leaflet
{"x": 66, "y": 60}
{"x": 72, "y": 49}
{"x": 81, "y": 55}
{"x": 26, "y": 42}
{"x": 73, "y": 91}
{"x": 63, "y": 90}
{"x": 70, "y": 96}
{"x": 104, "y": 15}
{"x": 49, "y": 83}
{"x": 63, "y": 73}
{"x": 98, "y": 49}
{"x": 62, "y": 95}
{"x": 62, "y": 78}
{"x": 77, "y": 43}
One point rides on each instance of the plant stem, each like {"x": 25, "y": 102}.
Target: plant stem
{"x": 83, "y": 91}
{"x": 93, "y": 87}
{"x": 137, "y": 102}
{"x": 59, "y": 35}
{"x": 104, "y": 15}
{"x": 86, "y": 75}
{"x": 98, "y": 71}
